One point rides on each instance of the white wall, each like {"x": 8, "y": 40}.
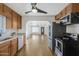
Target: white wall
{"x": 73, "y": 28}
{"x": 25, "y": 19}
{"x": 38, "y": 25}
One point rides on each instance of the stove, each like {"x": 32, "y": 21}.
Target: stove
{"x": 67, "y": 45}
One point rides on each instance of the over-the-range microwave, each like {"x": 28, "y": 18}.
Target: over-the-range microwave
{"x": 72, "y": 18}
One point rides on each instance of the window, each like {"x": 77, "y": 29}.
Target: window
{"x": 35, "y": 29}
{"x": 2, "y": 23}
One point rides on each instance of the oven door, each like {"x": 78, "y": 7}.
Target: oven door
{"x": 59, "y": 47}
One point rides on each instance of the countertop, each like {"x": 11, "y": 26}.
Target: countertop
{"x": 5, "y": 40}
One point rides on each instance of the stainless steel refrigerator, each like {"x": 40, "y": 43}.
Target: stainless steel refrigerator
{"x": 57, "y": 31}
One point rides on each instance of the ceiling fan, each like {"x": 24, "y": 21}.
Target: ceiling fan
{"x": 35, "y": 9}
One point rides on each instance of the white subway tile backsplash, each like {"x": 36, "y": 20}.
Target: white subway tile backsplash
{"x": 73, "y": 28}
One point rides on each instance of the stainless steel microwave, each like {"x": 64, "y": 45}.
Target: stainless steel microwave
{"x": 66, "y": 20}
{"x": 72, "y": 18}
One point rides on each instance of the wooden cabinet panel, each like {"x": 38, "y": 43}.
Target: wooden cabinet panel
{"x": 5, "y": 49}
{"x": 58, "y": 16}
{"x": 8, "y": 14}
{"x": 7, "y": 11}
{"x": 75, "y": 7}
{"x": 9, "y": 48}
{"x": 8, "y": 23}
{"x": 69, "y": 9}
{"x": 1, "y": 8}
{"x": 14, "y": 20}
{"x": 63, "y": 12}
{"x": 19, "y": 21}
{"x": 14, "y": 46}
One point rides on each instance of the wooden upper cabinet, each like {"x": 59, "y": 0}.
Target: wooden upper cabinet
{"x": 7, "y": 11}
{"x": 58, "y": 16}
{"x": 9, "y": 23}
{"x": 63, "y": 12}
{"x": 1, "y": 8}
{"x": 75, "y": 7}
{"x": 8, "y": 14}
{"x": 19, "y": 22}
{"x": 14, "y": 20}
{"x": 68, "y": 9}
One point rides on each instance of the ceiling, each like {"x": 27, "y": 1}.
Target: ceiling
{"x": 51, "y": 8}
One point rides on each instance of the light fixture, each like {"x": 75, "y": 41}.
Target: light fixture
{"x": 34, "y": 10}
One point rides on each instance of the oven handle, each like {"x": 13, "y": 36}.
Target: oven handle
{"x": 60, "y": 43}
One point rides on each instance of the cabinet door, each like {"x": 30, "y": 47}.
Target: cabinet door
{"x": 7, "y": 11}
{"x": 57, "y": 17}
{"x": 75, "y": 7}
{"x": 1, "y": 8}
{"x": 14, "y": 20}
{"x": 14, "y": 47}
{"x": 5, "y": 49}
{"x": 69, "y": 9}
{"x": 19, "y": 20}
{"x": 8, "y": 22}
{"x": 63, "y": 12}
{"x": 8, "y": 14}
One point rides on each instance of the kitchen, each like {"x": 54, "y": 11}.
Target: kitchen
{"x": 62, "y": 28}
{"x": 10, "y": 23}
{"x": 65, "y": 31}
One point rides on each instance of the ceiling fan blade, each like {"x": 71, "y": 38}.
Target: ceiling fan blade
{"x": 41, "y": 11}
{"x": 27, "y": 12}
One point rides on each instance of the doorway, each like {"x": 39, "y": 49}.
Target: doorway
{"x": 42, "y": 30}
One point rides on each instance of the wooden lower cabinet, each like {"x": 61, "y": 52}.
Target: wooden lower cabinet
{"x": 5, "y": 49}
{"x": 14, "y": 47}
{"x": 9, "y": 48}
